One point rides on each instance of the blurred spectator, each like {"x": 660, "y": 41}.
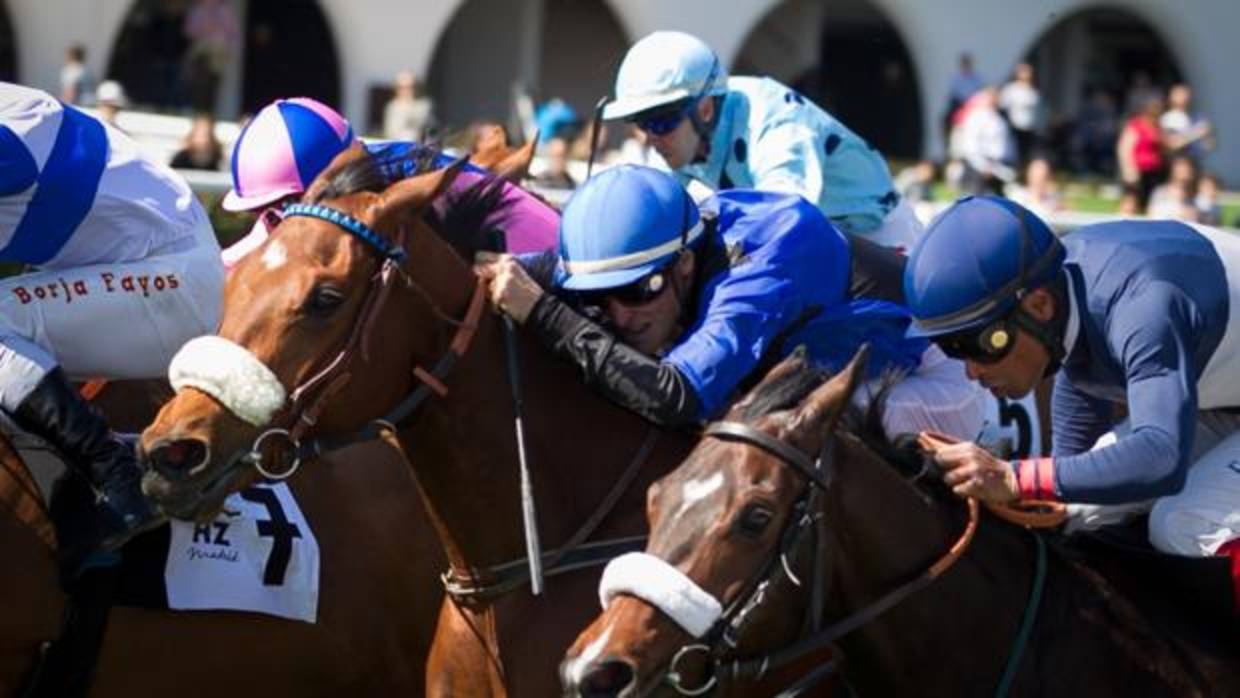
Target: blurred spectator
{"x": 557, "y": 119}
{"x": 916, "y": 183}
{"x": 407, "y": 117}
{"x": 554, "y": 173}
{"x": 983, "y": 142}
{"x": 1206, "y": 201}
{"x": 1092, "y": 143}
{"x": 214, "y": 33}
{"x": 1175, "y": 198}
{"x": 1140, "y": 91}
{"x": 76, "y": 82}
{"x": 1185, "y": 132}
{"x": 1021, "y": 102}
{"x": 201, "y": 150}
{"x": 1128, "y": 205}
{"x": 1040, "y": 192}
{"x": 965, "y": 83}
{"x": 110, "y": 99}
{"x": 1140, "y": 152}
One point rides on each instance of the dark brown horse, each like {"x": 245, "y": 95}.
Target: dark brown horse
{"x": 297, "y": 301}
{"x": 907, "y": 621}
{"x": 377, "y": 598}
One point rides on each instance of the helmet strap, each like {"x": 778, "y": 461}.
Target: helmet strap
{"x": 1049, "y": 334}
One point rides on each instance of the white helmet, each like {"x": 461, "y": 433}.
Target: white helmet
{"x": 662, "y": 68}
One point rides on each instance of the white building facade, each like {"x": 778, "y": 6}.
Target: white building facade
{"x": 470, "y": 53}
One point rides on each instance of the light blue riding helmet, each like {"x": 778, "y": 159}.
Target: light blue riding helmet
{"x": 973, "y": 264}
{"x": 622, "y": 224}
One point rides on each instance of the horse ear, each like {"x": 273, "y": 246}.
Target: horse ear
{"x": 353, "y": 152}
{"x": 415, "y": 193}
{"x": 790, "y": 364}
{"x": 516, "y": 166}
{"x": 819, "y": 412}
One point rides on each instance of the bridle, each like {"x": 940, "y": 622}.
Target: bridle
{"x": 720, "y": 642}
{"x": 307, "y": 401}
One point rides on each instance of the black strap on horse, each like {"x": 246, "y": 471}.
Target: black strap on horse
{"x": 480, "y": 585}
{"x": 65, "y": 667}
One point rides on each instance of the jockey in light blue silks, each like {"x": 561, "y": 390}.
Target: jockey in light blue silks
{"x": 755, "y": 133}
{"x": 1140, "y": 313}
{"x": 669, "y": 308}
{"x": 126, "y": 269}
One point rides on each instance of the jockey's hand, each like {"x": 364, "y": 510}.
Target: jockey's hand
{"x": 512, "y": 290}
{"x": 972, "y": 471}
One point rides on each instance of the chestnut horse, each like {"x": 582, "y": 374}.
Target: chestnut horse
{"x": 377, "y": 597}
{"x": 294, "y": 304}
{"x": 727, "y": 528}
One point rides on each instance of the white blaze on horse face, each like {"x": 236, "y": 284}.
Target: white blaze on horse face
{"x": 584, "y": 660}
{"x": 275, "y": 255}
{"x": 695, "y": 491}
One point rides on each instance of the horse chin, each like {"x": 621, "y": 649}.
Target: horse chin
{"x": 199, "y": 499}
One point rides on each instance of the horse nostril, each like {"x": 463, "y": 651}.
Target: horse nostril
{"x": 607, "y": 679}
{"x": 180, "y": 459}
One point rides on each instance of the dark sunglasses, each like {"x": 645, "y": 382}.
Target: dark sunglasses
{"x": 639, "y": 292}
{"x": 663, "y": 120}
{"x": 990, "y": 345}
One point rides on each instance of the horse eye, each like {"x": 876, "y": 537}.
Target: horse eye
{"x": 754, "y": 520}
{"x": 323, "y": 300}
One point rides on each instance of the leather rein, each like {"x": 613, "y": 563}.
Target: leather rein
{"x": 723, "y": 638}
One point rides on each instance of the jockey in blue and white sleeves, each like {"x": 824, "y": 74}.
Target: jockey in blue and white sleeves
{"x": 1136, "y": 313}
{"x": 749, "y": 132}
{"x": 125, "y": 268}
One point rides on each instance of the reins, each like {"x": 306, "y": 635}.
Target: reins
{"x": 309, "y": 398}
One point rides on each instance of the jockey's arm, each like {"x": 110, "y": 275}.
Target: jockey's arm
{"x": 654, "y": 389}
{"x": 1152, "y": 342}
{"x": 1079, "y": 419}
{"x": 787, "y": 158}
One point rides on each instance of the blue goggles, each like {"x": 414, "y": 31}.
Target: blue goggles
{"x": 662, "y": 120}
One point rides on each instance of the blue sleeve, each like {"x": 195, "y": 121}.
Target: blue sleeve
{"x": 733, "y": 337}
{"x": 1077, "y": 420}
{"x": 1149, "y": 332}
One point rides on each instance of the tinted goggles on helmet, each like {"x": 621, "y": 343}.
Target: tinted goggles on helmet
{"x": 989, "y": 345}
{"x": 661, "y": 121}
{"x": 640, "y": 292}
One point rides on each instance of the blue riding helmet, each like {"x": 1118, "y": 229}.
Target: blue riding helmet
{"x": 622, "y": 224}
{"x": 973, "y": 264}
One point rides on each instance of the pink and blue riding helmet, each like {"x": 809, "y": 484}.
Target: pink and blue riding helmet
{"x": 283, "y": 148}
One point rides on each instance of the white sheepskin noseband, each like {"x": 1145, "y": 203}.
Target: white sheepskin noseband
{"x": 664, "y": 587}
{"x": 229, "y": 373}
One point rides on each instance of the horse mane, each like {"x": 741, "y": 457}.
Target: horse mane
{"x": 461, "y": 215}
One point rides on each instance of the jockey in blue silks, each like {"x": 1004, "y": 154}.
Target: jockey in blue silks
{"x": 751, "y": 132}
{"x": 669, "y": 309}
{"x": 1138, "y": 313}
{"x": 126, "y": 269}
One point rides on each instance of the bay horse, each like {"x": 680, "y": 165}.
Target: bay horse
{"x": 377, "y": 598}
{"x": 913, "y": 608}
{"x": 295, "y": 303}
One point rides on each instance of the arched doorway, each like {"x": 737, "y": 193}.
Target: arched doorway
{"x": 289, "y": 52}
{"x": 1089, "y": 67}
{"x": 146, "y": 57}
{"x": 544, "y": 48}
{"x": 8, "y": 46}
{"x": 847, "y": 57}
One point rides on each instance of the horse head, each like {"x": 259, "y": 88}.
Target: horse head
{"x": 721, "y": 524}
{"x": 302, "y": 316}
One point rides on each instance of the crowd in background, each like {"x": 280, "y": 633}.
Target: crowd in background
{"x": 1001, "y": 141}
{"x": 1000, "y": 137}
